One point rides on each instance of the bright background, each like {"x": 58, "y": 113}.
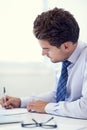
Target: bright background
{"x": 23, "y": 70}
{"x": 17, "y": 42}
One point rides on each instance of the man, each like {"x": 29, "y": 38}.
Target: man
{"x": 58, "y": 32}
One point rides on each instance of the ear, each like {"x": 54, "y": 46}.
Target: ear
{"x": 66, "y": 46}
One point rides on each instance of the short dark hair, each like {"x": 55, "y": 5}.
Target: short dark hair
{"x": 56, "y": 26}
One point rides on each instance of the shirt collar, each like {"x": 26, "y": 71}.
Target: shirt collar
{"x": 73, "y": 58}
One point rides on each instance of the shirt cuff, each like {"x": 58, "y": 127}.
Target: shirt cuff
{"x": 50, "y": 108}
{"x": 25, "y": 101}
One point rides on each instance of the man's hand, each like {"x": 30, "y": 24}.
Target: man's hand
{"x": 11, "y": 102}
{"x": 38, "y": 106}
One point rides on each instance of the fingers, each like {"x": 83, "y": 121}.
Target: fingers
{"x": 30, "y": 106}
{"x": 2, "y": 102}
{"x": 8, "y": 106}
{"x": 10, "y": 102}
{"x": 38, "y": 106}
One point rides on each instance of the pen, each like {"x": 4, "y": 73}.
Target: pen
{"x": 4, "y": 94}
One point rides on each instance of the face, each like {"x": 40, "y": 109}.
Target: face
{"x": 55, "y": 54}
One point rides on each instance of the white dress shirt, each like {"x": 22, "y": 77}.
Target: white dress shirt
{"x": 75, "y": 104}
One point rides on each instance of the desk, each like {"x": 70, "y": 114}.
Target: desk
{"x": 62, "y": 122}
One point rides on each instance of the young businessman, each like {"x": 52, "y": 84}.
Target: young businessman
{"x": 58, "y": 32}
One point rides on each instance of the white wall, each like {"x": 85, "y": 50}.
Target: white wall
{"x": 23, "y": 79}
{"x": 17, "y": 42}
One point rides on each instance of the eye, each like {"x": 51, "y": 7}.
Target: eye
{"x": 46, "y": 49}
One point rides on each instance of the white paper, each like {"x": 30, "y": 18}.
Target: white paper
{"x": 13, "y": 111}
{"x": 9, "y": 120}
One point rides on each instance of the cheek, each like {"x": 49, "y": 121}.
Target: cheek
{"x": 54, "y": 54}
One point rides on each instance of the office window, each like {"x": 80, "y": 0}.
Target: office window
{"x": 17, "y": 42}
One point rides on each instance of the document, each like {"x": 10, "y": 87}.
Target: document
{"x": 9, "y": 120}
{"x": 14, "y": 111}
{"x": 6, "y": 115}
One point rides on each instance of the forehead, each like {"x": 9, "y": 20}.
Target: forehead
{"x": 45, "y": 44}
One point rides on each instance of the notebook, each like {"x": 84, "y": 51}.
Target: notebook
{"x": 14, "y": 111}
{"x": 9, "y": 120}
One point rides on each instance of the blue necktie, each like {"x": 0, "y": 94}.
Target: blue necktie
{"x": 61, "y": 88}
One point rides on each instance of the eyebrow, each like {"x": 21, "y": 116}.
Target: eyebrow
{"x": 45, "y": 48}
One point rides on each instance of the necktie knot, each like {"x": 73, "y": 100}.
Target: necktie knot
{"x": 66, "y": 63}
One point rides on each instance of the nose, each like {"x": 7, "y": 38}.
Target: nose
{"x": 44, "y": 52}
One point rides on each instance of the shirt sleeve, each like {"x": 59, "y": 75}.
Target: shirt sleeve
{"x": 25, "y": 101}
{"x": 48, "y": 97}
{"x": 69, "y": 109}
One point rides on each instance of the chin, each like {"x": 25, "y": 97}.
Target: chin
{"x": 53, "y": 61}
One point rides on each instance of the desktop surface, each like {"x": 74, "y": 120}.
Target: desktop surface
{"x": 63, "y": 123}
